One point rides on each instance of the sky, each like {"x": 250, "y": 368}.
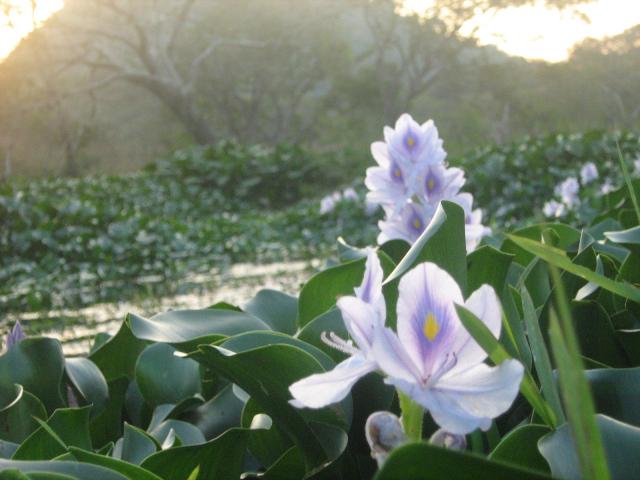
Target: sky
{"x": 534, "y": 32}
{"x": 537, "y": 32}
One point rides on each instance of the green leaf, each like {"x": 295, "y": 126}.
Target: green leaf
{"x": 596, "y": 335}
{"x": 107, "y": 426}
{"x": 442, "y": 242}
{"x": 558, "y": 258}
{"x": 18, "y": 414}
{"x": 117, "y": 357}
{"x": 252, "y": 340}
{"x": 132, "y": 472}
{"x": 278, "y": 310}
{"x": 323, "y": 290}
{"x": 486, "y": 265}
{"x": 75, "y": 470}
{"x": 186, "y": 432}
{"x": 520, "y": 447}
{"x": 565, "y": 235}
{"x": 267, "y": 442}
{"x": 186, "y": 329}
{"x": 164, "y": 377}
{"x": 219, "y": 459}
{"x": 630, "y": 236}
{"x": 66, "y": 427}
{"x": 621, "y": 444}
{"x": 279, "y": 367}
{"x": 218, "y": 414}
{"x": 481, "y": 334}
{"x": 87, "y": 379}
{"x": 615, "y": 393}
{"x": 136, "y": 445}
{"x": 421, "y": 461}
{"x": 38, "y": 365}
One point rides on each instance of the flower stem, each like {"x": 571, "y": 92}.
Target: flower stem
{"x": 412, "y": 414}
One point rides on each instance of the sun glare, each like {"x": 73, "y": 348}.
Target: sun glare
{"x": 537, "y": 32}
{"x": 22, "y": 21}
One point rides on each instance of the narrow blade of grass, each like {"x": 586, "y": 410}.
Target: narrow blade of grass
{"x": 541, "y": 358}
{"x": 574, "y": 388}
{"x": 558, "y": 258}
{"x": 627, "y": 179}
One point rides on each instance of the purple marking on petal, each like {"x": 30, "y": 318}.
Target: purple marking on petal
{"x": 16, "y": 335}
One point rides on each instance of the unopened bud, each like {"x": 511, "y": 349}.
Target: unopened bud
{"x": 384, "y": 433}
{"x": 448, "y": 440}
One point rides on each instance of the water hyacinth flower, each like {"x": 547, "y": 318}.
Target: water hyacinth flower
{"x": 413, "y": 144}
{"x": 588, "y": 173}
{"x": 411, "y": 179}
{"x": 15, "y": 335}
{"x": 361, "y": 314}
{"x": 568, "y": 191}
{"x": 350, "y": 194}
{"x": 328, "y": 203}
{"x": 433, "y": 359}
{"x": 408, "y": 225}
{"x": 438, "y": 183}
{"x": 387, "y": 182}
{"x": 553, "y": 209}
{"x": 607, "y": 187}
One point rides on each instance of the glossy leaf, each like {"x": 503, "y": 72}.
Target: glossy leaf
{"x": 164, "y": 377}
{"x": 421, "y": 461}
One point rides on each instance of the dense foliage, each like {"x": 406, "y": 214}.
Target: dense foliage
{"x": 72, "y": 242}
{"x": 68, "y": 242}
{"x": 220, "y": 408}
{"x": 512, "y": 182}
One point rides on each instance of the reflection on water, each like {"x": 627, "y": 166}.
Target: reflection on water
{"x": 76, "y": 328}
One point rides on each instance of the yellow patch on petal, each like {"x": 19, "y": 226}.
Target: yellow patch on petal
{"x": 397, "y": 172}
{"x": 417, "y": 223}
{"x": 431, "y": 183}
{"x": 431, "y": 327}
{"x": 411, "y": 142}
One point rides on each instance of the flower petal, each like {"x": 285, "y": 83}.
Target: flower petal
{"x": 380, "y": 153}
{"x": 481, "y": 391}
{"x": 484, "y": 304}
{"x": 359, "y": 318}
{"x": 427, "y": 293}
{"x": 322, "y": 389}
{"x": 392, "y": 358}
{"x": 370, "y": 290}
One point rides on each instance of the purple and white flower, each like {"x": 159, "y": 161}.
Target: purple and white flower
{"x": 361, "y": 314}
{"x": 553, "y": 209}
{"x": 411, "y": 179}
{"x": 350, "y": 194}
{"x": 433, "y": 359}
{"x": 328, "y": 203}
{"x": 607, "y": 187}
{"x": 15, "y": 336}
{"x": 437, "y": 182}
{"x": 412, "y": 144}
{"x": 568, "y": 191}
{"x": 588, "y": 173}
{"x": 407, "y": 225}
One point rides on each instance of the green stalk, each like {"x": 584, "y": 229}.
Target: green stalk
{"x": 412, "y": 414}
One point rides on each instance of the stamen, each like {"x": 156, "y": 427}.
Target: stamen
{"x": 334, "y": 341}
